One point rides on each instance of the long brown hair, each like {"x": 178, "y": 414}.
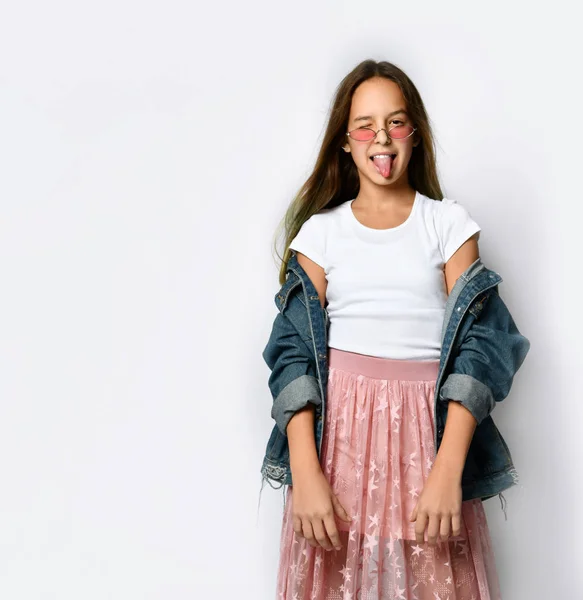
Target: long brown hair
{"x": 334, "y": 179}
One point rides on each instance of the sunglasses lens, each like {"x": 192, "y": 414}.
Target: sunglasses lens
{"x": 401, "y": 132}
{"x": 362, "y": 135}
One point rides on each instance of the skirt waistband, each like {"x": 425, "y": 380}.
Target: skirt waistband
{"x": 378, "y": 367}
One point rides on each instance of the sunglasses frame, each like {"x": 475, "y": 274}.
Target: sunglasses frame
{"x": 387, "y": 131}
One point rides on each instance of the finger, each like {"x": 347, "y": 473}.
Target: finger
{"x": 456, "y": 524}
{"x": 297, "y": 526}
{"x": 414, "y": 513}
{"x": 433, "y": 529}
{"x": 332, "y": 532}
{"x": 445, "y": 528}
{"x": 309, "y": 532}
{"x": 420, "y": 524}
{"x": 339, "y": 509}
{"x": 321, "y": 535}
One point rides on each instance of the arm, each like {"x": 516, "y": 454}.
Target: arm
{"x": 483, "y": 369}
{"x": 300, "y": 430}
{"x": 460, "y": 423}
{"x": 292, "y": 381}
{"x": 294, "y": 387}
{"x": 439, "y": 505}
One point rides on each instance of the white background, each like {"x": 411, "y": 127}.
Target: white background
{"x": 147, "y": 153}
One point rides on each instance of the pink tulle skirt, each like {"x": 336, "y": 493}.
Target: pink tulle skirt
{"x": 377, "y": 451}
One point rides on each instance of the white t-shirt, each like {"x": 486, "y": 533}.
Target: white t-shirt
{"x": 386, "y": 288}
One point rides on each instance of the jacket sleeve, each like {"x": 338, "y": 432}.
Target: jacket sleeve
{"x": 292, "y": 382}
{"x": 490, "y": 354}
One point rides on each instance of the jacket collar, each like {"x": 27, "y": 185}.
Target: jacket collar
{"x": 295, "y": 276}
{"x": 476, "y": 279}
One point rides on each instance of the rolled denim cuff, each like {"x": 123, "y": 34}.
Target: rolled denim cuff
{"x": 295, "y": 396}
{"x": 476, "y": 396}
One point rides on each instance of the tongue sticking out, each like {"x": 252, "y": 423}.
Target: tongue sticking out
{"x": 383, "y": 165}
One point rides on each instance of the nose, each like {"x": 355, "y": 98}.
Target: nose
{"x": 384, "y": 137}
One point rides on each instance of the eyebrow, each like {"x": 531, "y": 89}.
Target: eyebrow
{"x": 368, "y": 117}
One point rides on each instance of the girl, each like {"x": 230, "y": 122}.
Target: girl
{"x": 379, "y": 515}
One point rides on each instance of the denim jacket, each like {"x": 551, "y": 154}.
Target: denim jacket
{"x": 481, "y": 352}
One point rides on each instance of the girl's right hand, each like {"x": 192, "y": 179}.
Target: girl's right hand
{"x": 314, "y": 507}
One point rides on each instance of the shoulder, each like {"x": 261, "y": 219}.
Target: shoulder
{"x": 444, "y": 206}
{"x": 450, "y": 206}
{"x": 449, "y": 212}
{"x": 311, "y": 238}
{"x": 327, "y": 214}
{"x": 322, "y": 222}
{"x": 315, "y": 226}
{"x": 320, "y": 218}
{"x": 454, "y": 224}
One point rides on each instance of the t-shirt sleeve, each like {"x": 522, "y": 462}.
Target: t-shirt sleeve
{"x": 311, "y": 240}
{"x": 455, "y": 225}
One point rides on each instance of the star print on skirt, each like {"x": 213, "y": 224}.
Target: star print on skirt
{"x": 377, "y": 452}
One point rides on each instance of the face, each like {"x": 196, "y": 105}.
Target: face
{"x": 381, "y": 102}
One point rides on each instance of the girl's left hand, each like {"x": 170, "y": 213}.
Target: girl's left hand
{"x": 438, "y": 506}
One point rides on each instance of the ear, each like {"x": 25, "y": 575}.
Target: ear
{"x": 346, "y": 147}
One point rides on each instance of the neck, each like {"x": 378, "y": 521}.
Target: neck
{"x": 377, "y": 197}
